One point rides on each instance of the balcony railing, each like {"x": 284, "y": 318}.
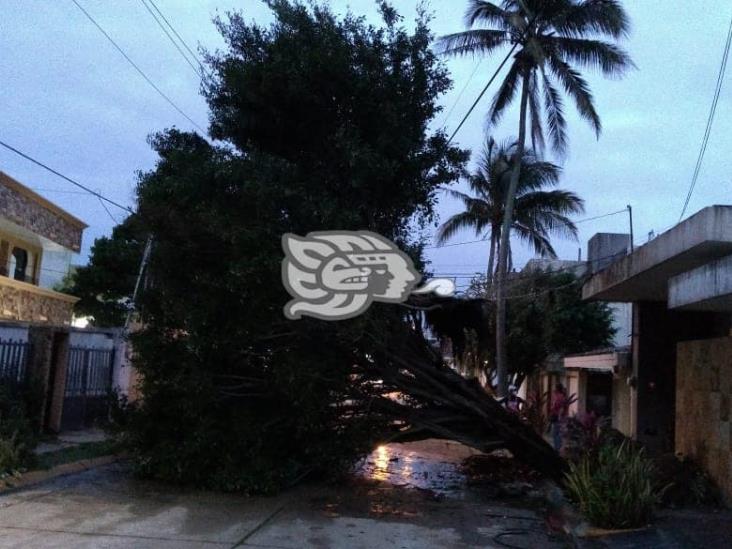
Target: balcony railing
{"x": 26, "y": 302}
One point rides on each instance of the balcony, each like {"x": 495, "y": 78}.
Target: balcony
{"x": 24, "y": 302}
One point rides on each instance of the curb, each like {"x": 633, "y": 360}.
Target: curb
{"x": 566, "y": 519}
{"x": 36, "y": 477}
{"x": 562, "y": 517}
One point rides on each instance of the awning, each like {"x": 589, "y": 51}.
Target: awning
{"x": 609, "y": 362}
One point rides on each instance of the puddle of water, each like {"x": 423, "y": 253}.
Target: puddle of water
{"x": 434, "y": 468}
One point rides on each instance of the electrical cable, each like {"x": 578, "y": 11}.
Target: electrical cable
{"x": 172, "y": 40}
{"x": 137, "y": 68}
{"x": 492, "y": 78}
{"x": 180, "y": 38}
{"x": 462, "y": 91}
{"x": 108, "y": 212}
{"x": 64, "y": 177}
{"x": 486, "y": 239}
{"x": 710, "y": 120}
{"x": 482, "y": 93}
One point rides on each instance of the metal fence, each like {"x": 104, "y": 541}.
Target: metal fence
{"x": 89, "y": 372}
{"x": 88, "y": 382}
{"x": 13, "y": 361}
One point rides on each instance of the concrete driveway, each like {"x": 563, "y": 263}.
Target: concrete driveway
{"x": 105, "y": 507}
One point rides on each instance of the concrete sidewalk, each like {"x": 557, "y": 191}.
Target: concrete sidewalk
{"x": 69, "y": 439}
{"x": 105, "y": 507}
{"x": 674, "y": 529}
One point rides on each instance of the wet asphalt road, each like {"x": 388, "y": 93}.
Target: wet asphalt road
{"x": 404, "y": 496}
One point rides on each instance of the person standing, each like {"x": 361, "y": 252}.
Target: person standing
{"x": 558, "y": 413}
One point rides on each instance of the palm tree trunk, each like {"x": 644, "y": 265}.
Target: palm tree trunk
{"x": 491, "y": 257}
{"x": 501, "y": 351}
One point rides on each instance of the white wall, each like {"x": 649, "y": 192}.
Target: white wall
{"x": 623, "y": 322}
{"x": 16, "y": 333}
{"x": 54, "y": 266}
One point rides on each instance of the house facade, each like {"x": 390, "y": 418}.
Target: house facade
{"x": 600, "y": 379}
{"x": 679, "y": 374}
{"x": 37, "y": 243}
{"x": 594, "y": 378}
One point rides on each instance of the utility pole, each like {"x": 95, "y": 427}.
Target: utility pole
{"x": 630, "y": 219}
{"x": 138, "y": 282}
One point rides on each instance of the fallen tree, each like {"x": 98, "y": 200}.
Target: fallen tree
{"x": 435, "y": 401}
{"x": 325, "y": 123}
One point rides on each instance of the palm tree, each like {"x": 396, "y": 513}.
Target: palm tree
{"x": 538, "y": 213}
{"x": 550, "y": 38}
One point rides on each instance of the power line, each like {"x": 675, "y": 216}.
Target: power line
{"x": 710, "y": 120}
{"x": 462, "y": 91}
{"x": 486, "y": 239}
{"x": 62, "y": 191}
{"x": 516, "y": 277}
{"x": 482, "y": 93}
{"x": 455, "y": 244}
{"x": 495, "y": 74}
{"x": 108, "y": 212}
{"x": 137, "y": 68}
{"x": 185, "y": 45}
{"x": 624, "y": 210}
{"x": 64, "y": 177}
{"x": 172, "y": 40}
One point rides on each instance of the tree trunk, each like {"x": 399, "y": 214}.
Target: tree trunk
{"x": 491, "y": 257}
{"x": 444, "y": 404}
{"x": 501, "y": 351}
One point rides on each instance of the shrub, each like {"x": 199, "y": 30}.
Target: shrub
{"x": 617, "y": 490}
{"x": 583, "y": 436}
{"x": 18, "y": 432}
{"x": 687, "y": 483}
{"x": 533, "y": 411}
{"x": 11, "y": 454}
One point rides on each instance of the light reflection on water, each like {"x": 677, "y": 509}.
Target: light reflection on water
{"x": 381, "y": 463}
{"x": 401, "y": 465}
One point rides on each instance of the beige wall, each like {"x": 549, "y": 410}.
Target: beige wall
{"x": 703, "y": 406}
{"x": 28, "y": 303}
{"x": 622, "y": 407}
{"x": 576, "y": 383}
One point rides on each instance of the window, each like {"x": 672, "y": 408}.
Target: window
{"x": 19, "y": 260}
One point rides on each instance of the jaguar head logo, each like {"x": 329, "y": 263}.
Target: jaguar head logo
{"x": 335, "y": 275}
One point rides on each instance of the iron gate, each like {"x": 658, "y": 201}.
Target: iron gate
{"x": 88, "y": 383}
{"x": 13, "y": 361}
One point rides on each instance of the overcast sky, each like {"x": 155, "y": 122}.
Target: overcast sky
{"x": 71, "y": 100}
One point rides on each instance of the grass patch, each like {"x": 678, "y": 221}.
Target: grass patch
{"x": 85, "y": 450}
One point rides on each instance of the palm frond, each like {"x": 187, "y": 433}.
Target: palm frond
{"x": 473, "y": 41}
{"x": 537, "y": 127}
{"x": 538, "y": 241}
{"x": 485, "y": 12}
{"x": 505, "y": 94}
{"x": 478, "y": 207}
{"x": 460, "y": 222}
{"x": 552, "y": 223}
{"x": 547, "y": 212}
{"x": 603, "y": 17}
{"x": 556, "y": 122}
{"x": 559, "y": 201}
{"x": 459, "y": 195}
{"x": 536, "y": 175}
{"x": 577, "y": 88}
{"x": 594, "y": 54}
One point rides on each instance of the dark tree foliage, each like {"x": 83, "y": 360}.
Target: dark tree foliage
{"x": 341, "y": 109}
{"x": 546, "y": 316}
{"x": 105, "y": 285}
{"x": 325, "y": 123}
